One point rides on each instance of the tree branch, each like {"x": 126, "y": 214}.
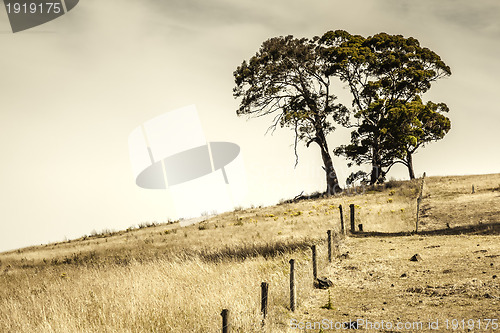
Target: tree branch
{"x": 396, "y": 162}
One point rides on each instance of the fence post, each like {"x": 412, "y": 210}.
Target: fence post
{"x": 335, "y": 245}
{"x": 341, "y": 220}
{"x": 264, "y": 287}
{"x": 292, "y": 285}
{"x": 353, "y": 228}
{"x": 422, "y": 186}
{"x": 329, "y": 232}
{"x": 419, "y": 199}
{"x": 225, "y": 321}
{"x": 315, "y": 269}
{"x": 360, "y": 227}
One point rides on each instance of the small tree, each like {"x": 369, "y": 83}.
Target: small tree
{"x": 287, "y": 78}
{"x": 413, "y": 125}
{"x": 384, "y": 72}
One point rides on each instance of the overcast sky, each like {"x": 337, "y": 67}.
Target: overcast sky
{"x": 72, "y": 90}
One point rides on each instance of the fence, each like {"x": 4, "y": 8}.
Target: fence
{"x": 264, "y": 293}
{"x": 226, "y": 326}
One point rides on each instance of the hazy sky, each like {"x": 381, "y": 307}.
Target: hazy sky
{"x": 73, "y": 89}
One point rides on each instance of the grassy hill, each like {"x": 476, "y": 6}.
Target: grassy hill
{"x": 167, "y": 278}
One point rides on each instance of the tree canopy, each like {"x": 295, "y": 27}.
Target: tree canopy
{"x": 386, "y": 75}
{"x": 287, "y": 78}
{"x": 413, "y": 125}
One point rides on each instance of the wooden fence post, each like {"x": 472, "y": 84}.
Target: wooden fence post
{"x": 264, "y": 287}
{"x": 315, "y": 269}
{"x": 341, "y": 220}
{"x": 292, "y": 285}
{"x": 335, "y": 245}
{"x": 419, "y": 199}
{"x": 226, "y": 328}
{"x": 329, "y": 233}
{"x": 353, "y": 228}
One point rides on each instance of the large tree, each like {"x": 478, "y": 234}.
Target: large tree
{"x": 384, "y": 73}
{"x": 287, "y": 78}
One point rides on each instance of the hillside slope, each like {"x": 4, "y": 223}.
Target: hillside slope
{"x": 165, "y": 278}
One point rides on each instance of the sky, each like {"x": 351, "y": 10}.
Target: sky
{"x": 73, "y": 89}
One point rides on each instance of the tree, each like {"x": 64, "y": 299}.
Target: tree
{"x": 413, "y": 125}
{"x": 287, "y": 78}
{"x": 384, "y": 73}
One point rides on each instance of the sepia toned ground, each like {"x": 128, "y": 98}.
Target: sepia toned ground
{"x": 167, "y": 278}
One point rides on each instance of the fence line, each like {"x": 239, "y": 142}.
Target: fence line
{"x": 330, "y": 238}
{"x": 264, "y": 286}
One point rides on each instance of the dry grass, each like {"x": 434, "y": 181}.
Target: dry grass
{"x": 165, "y": 278}
{"x": 157, "y": 296}
{"x": 449, "y": 200}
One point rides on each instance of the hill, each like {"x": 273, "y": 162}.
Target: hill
{"x": 166, "y": 278}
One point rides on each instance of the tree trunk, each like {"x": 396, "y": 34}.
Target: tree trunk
{"x": 409, "y": 164}
{"x": 332, "y": 182}
{"x": 377, "y": 175}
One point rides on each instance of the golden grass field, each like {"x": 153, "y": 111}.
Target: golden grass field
{"x": 165, "y": 278}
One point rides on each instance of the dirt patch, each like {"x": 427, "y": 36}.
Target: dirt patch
{"x": 471, "y": 289}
